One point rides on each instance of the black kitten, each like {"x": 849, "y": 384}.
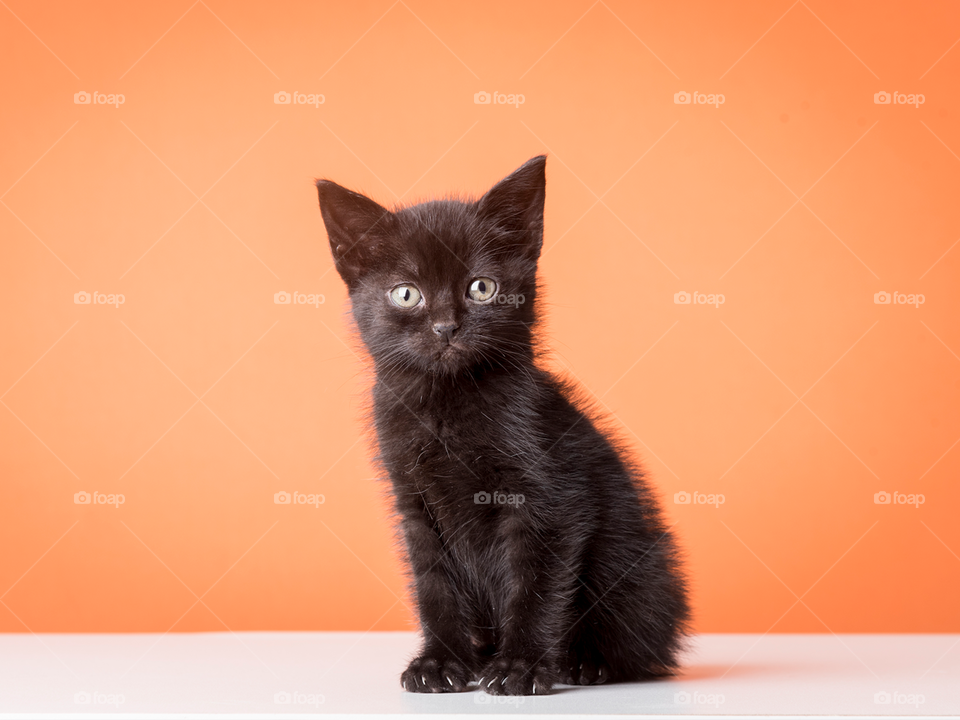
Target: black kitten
{"x": 538, "y": 553}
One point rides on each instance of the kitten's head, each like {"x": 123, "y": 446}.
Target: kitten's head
{"x": 444, "y": 286}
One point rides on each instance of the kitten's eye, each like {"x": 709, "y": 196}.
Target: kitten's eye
{"x": 482, "y": 289}
{"x": 405, "y": 296}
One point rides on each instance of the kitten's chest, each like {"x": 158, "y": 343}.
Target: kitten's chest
{"x": 445, "y": 458}
{"x": 454, "y": 452}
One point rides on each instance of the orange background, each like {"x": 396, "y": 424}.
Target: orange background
{"x": 199, "y": 398}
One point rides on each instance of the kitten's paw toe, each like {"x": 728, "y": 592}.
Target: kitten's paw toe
{"x": 434, "y": 675}
{"x": 591, "y": 673}
{"x": 516, "y": 677}
{"x": 585, "y": 669}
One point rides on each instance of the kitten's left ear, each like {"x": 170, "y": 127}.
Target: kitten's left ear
{"x": 516, "y": 203}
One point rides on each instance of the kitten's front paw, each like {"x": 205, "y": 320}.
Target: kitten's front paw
{"x": 434, "y": 675}
{"x": 516, "y": 677}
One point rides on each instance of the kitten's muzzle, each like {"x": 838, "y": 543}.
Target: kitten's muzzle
{"x": 445, "y": 331}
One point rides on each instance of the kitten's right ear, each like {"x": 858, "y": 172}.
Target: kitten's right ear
{"x": 356, "y": 228}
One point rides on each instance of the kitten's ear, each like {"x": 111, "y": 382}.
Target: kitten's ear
{"x": 516, "y": 203}
{"x": 356, "y": 227}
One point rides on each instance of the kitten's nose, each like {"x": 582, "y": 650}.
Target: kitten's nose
{"x": 445, "y": 330}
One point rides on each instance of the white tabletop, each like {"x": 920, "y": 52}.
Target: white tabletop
{"x": 250, "y": 675}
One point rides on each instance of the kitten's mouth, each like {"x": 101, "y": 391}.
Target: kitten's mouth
{"x": 450, "y": 355}
{"x": 449, "y": 350}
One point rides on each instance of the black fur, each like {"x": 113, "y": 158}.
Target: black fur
{"x": 578, "y": 583}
